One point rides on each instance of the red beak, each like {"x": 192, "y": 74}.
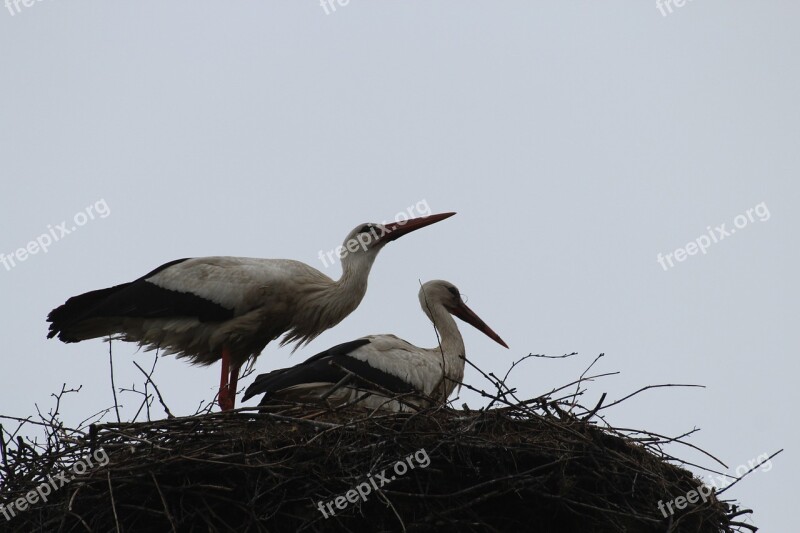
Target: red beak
{"x": 395, "y": 230}
{"x": 468, "y": 315}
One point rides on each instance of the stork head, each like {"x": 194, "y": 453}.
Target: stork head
{"x": 444, "y": 293}
{"x": 368, "y": 238}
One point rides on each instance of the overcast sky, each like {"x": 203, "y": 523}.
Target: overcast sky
{"x": 576, "y": 140}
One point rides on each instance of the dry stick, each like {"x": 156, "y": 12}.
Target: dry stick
{"x": 650, "y": 387}
{"x": 72, "y": 498}
{"x": 539, "y": 356}
{"x": 498, "y": 399}
{"x": 738, "y": 479}
{"x": 523, "y": 407}
{"x": 329, "y": 427}
{"x": 113, "y": 387}
{"x": 581, "y": 380}
{"x": 655, "y": 443}
{"x": 510, "y": 477}
{"x": 690, "y": 445}
{"x": 678, "y": 438}
{"x": 578, "y": 387}
{"x": 341, "y": 383}
{"x": 511, "y": 391}
{"x": 158, "y": 392}
{"x": 135, "y": 438}
{"x": 3, "y": 448}
{"x": 25, "y": 420}
{"x": 113, "y": 503}
{"x": 101, "y": 413}
{"x": 249, "y": 368}
{"x": 739, "y": 513}
{"x": 746, "y": 526}
{"x": 82, "y": 521}
{"x": 542, "y": 356}
{"x": 149, "y": 375}
{"x": 389, "y": 503}
{"x": 578, "y": 381}
{"x": 207, "y": 409}
{"x": 596, "y": 408}
{"x": 141, "y": 406}
{"x": 164, "y": 502}
{"x": 148, "y": 400}
{"x": 497, "y": 384}
{"x": 515, "y": 363}
{"x": 53, "y": 422}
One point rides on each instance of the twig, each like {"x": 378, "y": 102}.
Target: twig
{"x": 158, "y": 392}
{"x": 738, "y": 479}
{"x": 580, "y": 379}
{"x": 650, "y": 387}
{"x": 596, "y": 408}
{"x": 113, "y": 503}
{"x": 113, "y": 386}
{"x": 164, "y": 503}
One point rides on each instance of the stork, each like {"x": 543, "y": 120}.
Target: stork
{"x": 229, "y": 308}
{"x": 349, "y": 372}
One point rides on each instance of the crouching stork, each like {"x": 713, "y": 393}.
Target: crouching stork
{"x": 370, "y": 370}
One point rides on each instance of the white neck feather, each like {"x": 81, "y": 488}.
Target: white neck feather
{"x": 451, "y": 348}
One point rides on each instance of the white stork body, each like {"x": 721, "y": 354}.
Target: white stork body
{"x": 228, "y": 308}
{"x": 239, "y": 302}
{"x": 382, "y": 366}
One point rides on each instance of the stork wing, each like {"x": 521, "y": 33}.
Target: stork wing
{"x": 211, "y": 289}
{"x": 329, "y": 366}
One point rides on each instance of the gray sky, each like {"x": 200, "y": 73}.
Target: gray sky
{"x": 576, "y": 141}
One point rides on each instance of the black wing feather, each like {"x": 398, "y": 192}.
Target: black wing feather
{"x": 326, "y": 367}
{"x": 137, "y": 299}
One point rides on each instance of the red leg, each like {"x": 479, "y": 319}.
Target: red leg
{"x": 224, "y": 390}
{"x": 234, "y": 382}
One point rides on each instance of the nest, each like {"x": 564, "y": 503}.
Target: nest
{"x": 528, "y": 466}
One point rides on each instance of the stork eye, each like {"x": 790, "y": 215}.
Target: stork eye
{"x": 454, "y": 292}
{"x": 366, "y": 228}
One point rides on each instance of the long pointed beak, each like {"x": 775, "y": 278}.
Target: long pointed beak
{"x": 468, "y": 315}
{"x": 395, "y": 230}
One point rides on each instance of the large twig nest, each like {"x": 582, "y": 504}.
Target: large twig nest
{"x": 509, "y": 469}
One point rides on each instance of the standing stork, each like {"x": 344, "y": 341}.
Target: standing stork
{"x": 229, "y": 308}
{"x": 350, "y": 372}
